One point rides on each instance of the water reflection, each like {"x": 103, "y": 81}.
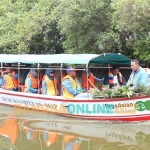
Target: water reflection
{"x": 52, "y": 132}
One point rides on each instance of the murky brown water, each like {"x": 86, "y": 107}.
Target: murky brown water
{"x": 45, "y": 131}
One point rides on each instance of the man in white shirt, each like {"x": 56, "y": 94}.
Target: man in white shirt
{"x": 114, "y": 77}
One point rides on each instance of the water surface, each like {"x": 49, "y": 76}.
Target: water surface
{"x": 44, "y": 131}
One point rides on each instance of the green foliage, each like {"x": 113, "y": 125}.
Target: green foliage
{"x": 131, "y": 22}
{"x": 96, "y": 94}
{"x": 85, "y": 24}
{"x": 115, "y": 92}
{"x": 26, "y": 27}
{"x": 147, "y": 91}
{"x": 140, "y": 88}
{"x": 76, "y": 26}
{"x": 105, "y": 93}
{"x": 122, "y": 91}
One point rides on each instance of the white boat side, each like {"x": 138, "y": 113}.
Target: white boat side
{"x": 124, "y": 109}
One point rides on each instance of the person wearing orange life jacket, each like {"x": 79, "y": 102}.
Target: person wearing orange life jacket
{"x": 114, "y": 77}
{"x": 9, "y": 82}
{"x": 31, "y": 82}
{"x": 15, "y": 78}
{"x": 91, "y": 77}
{"x": 71, "y": 86}
{"x": 50, "y": 138}
{"x": 49, "y": 83}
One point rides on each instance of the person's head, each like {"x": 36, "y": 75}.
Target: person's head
{"x": 13, "y": 71}
{"x": 5, "y": 73}
{"x": 33, "y": 72}
{"x": 71, "y": 72}
{"x": 50, "y": 72}
{"x": 115, "y": 69}
{"x": 8, "y": 70}
{"x": 135, "y": 64}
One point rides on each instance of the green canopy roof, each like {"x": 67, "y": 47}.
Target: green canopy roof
{"x": 66, "y": 58}
{"x": 111, "y": 58}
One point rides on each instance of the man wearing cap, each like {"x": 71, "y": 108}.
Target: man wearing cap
{"x": 114, "y": 77}
{"x": 138, "y": 74}
{"x": 71, "y": 84}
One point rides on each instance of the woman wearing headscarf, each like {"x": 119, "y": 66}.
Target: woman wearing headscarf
{"x": 49, "y": 83}
{"x": 31, "y": 82}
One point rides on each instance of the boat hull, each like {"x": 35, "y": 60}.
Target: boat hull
{"x": 123, "y": 109}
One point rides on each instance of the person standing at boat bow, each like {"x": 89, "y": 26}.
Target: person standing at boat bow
{"x": 49, "y": 83}
{"x": 138, "y": 74}
{"x": 31, "y": 82}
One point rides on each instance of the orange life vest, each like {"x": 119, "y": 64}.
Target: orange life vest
{"x": 66, "y": 94}
{"x": 34, "y": 82}
{"x": 9, "y": 84}
{"x": 51, "y": 86}
{"x": 111, "y": 77}
{"x": 15, "y": 81}
{"x": 84, "y": 80}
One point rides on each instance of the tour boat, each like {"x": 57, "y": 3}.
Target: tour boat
{"x": 123, "y": 109}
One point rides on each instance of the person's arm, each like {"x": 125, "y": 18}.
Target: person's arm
{"x": 29, "y": 86}
{"x": 44, "y": 87}
{"x": 98, "y": 80}
{"x": 67, "y": 85}
{"x": 123, "y": 81}
{"x": 105, "y": 82}
{"x": 2, "y": 81}
{"x": 15, "y": 76}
